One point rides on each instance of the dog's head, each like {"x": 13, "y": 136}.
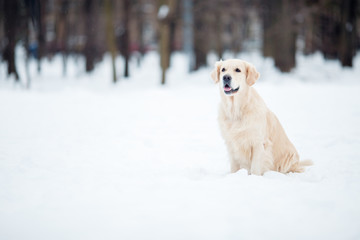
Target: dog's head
{"x": 234, "y": 75}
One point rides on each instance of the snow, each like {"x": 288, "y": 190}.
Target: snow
{"x": 81, "y": 158}
{"x": 163, "y": 11}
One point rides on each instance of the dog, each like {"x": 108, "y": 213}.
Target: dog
{"x": 254, "y": 137}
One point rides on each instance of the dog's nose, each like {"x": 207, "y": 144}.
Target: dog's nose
{"x": 227, "y": 78}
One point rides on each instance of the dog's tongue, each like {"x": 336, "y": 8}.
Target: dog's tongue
{"x": 226, "y": 88}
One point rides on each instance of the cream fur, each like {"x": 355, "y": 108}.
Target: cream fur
{"x": 254, "y": 137}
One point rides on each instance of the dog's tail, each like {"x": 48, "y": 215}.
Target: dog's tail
{"x": 302, "y": 164}
{"x": 291, "y": 163}
{"x": 306, "y": 163}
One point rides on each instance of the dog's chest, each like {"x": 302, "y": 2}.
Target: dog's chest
{"x": 239, "y": 130}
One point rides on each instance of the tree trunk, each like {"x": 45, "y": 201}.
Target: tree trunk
{"x": 41, "y": 32}
{"x": 27, "y": 54}
{"x": 11, "y": 12}
{"x": 200, "y": 35}
{"x": 126, "y": 36}
{"x": 348, "y": 32}
{"x": 140, "y": 26}
{"x": 285, "y": 41}
{"x": 310, "y": 27}
{"x": 269, "y": 19}
{"x": 280, "y": 33}
{"x": 164, "y": 50}
{"x": 62, "y": 33}
{"x": 90, "y": 32}
{"x": 329, "y": 30}
{"x": 219, "y": 34}
{"x": 110, "y": 36}
{"x": 167, "y": 27}
{"x": 188, "y": 32}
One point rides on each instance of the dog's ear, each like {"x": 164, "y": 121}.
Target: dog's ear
{"x": 215, "y": 74}
{"x": 251, "y": 74}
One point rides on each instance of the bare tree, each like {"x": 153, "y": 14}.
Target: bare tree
{"x": 62, "y": 31}
{"x": 330, "y": 27}
{"x": 11, "y": 21}
{"x": 110, "y": 36}
{"x": 348, "y": 32}
{"x": 140, "y": 25}
{"x": 40, "y": 27}
{"x": 285, "y": 39}
{"x": 90, "y": 32}
{"x": 201, "y": 35}
{"x": 188, "y": 32}
{"x": 125, "y": 36}
{"x": 166, "y": 17}
{"x": 280, "y": 33}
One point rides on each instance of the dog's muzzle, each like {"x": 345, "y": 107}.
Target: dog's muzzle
{"x": 227, "y": 85}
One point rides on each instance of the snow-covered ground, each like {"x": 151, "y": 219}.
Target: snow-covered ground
{"x": 81, "y": 158}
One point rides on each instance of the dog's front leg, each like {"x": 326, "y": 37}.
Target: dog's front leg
{"x": 234, "y": 166}
{"x": 259, "y": 160}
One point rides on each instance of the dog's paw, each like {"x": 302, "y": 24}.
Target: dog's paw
{"x": 257, "y": 171}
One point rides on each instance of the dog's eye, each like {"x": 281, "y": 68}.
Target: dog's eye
{"x": 237, "y": 70}
{"x": 223, "y": 70}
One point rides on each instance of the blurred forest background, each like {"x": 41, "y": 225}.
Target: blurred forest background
{"x": 92, "y": 28}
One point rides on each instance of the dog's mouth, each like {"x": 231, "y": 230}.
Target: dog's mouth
{"x": 228, "y": 90}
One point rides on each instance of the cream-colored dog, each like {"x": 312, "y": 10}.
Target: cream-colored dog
{"x": 254, "y": 136}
